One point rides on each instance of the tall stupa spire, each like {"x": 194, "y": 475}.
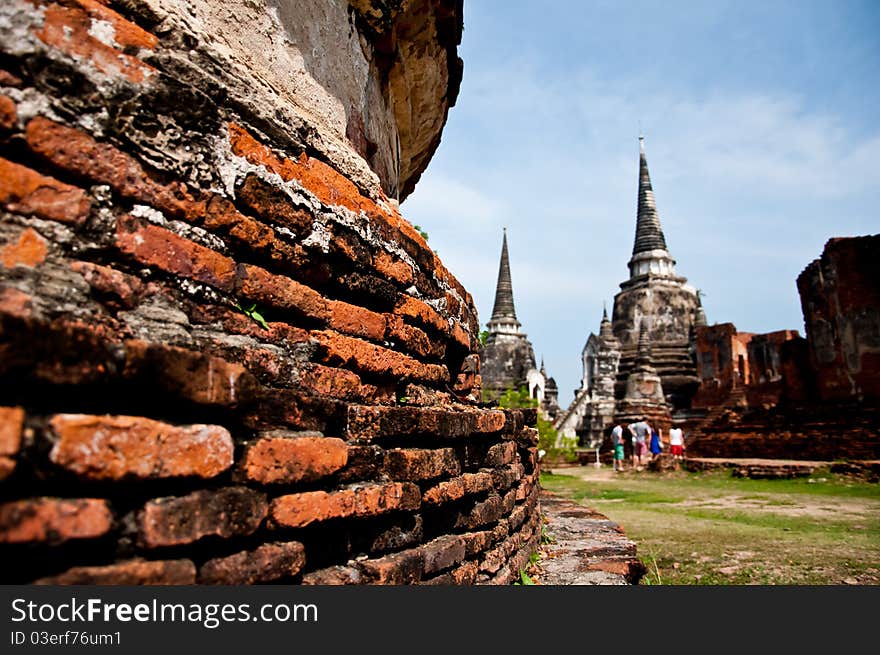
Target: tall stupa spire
{"x": 504, "y": 313}
{"x": 649, "y": 254}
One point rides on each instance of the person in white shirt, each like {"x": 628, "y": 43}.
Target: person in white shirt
{"x": 676, "y": 442}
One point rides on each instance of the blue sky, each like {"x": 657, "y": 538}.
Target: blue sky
{"x": 762, "y": 129}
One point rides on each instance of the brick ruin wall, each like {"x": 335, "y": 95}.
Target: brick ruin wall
{"x": 224, "y": 355}
{"x": 814, "y": 398}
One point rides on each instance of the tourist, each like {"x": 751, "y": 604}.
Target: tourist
{"x": 639, "y": 431}
{"x": 617, "y": 446}
{"x": 656, "y": 446}
{"x": 676, "y": 444}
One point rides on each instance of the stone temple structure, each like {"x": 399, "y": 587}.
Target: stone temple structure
{"x": 650, "y": 335}
{"x": 508, "y": 358}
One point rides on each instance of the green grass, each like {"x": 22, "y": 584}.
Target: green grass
{"x": 713, "y": 528}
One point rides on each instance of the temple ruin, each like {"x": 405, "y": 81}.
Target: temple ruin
{"x": 642, "y": 359}
{"x": 507, "y": 357}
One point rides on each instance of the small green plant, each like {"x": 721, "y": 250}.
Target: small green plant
{"x": 546, "y": 537}
{"x": 403, "y": 400}
{"x": 253, "y": 314}
{"x": 421, "y": 231}
{"x": 484, "y": 334}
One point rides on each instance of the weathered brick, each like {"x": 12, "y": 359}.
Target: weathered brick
{"x": 222, "y": 217}
{"x": 273, "y": 205}
{"x": 393, "y": 268}
{"x": 443, "y": 552}
{"x": 463, "y": 485}
{"x": 126, "y": 289}
{"x": 400, "y": 568}
{"x": 487, "y": 511}
{"x": 418, "y": 464}
{"x": 225, "y": 512}
{"x": 68, "y": 29}
{"x": 25, "y": 191}
{"x": 188, "y": 374}
{"x": 30, "y": 250}
{"x": 285, "y": 457}
{"x": 356, "y": 321}
{"x": 363, "y": 463}
{"x": 7, "y": 466}
{"x": 54, "y": 520}
{"x": 80, "y": 154}
{"x": 366, "y": 423}
{"x": 118, "y": 447}
{"x": 465, "y": 574}
{"x": 340, "y": 350}
{"x": 477, "y": 542}
{"x": 15, "y": 303}
{"x": 8, "y": 113}
{"x": 504, "y": 478}
{"x": 129, "y": 572}
{"x": 333, "y": 575}
{"x": 302, "y": 509}
{"x": 265, "y": 563}
{"x": 335, "y": 382}
{"x": 260, "y": 286}
{"x": 11, "y": 426}
{"x": 500, "y": 454}
{"x": 422, "y": 313}
{"x": 412, "y": 338}
{"x": 152, "y": 245}
{"x": 527, "y": 437}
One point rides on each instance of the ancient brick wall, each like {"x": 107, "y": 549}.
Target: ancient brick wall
{"x": 840, "y": 297}
{"x": 224, "y": 355}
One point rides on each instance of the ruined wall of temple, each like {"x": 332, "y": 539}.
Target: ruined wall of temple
{"x": 225, "y": 357}
{"x": 840, "y": 297}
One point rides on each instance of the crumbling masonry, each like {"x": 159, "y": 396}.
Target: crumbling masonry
{"x": 224, "y": 355}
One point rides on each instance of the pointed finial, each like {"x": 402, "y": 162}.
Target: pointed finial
{"x": 604, "y": 312}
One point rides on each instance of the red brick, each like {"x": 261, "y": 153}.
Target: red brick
{"x": 393, "y": 268}
{"x": 285, "y": 457}
{"x": 273, "y": 205}
{"x": 129, "y": 572}
{"x": 366, "y": 423}
{"x": 8, "y": 113}
{"x": 260, "y": 286}
{"x": 466, "y": 574}
{"x": 222, "y": 216}
{"x": 300, "y": 510}
{"x": 105, "y": 280}
{"x": 500, "y": 454}
{"x": 125, "y": 33}
{"x": 54, "y": 520}
{"x": 334, "y": 382}
{"x": 340, "y": 350}
{"x": 463, "y": 485}
{"x": 417, "y": 464}
{"x": 155, "y": 246}
{"x": 477, "y": 542}
{"x": 333, "y": 575}
{"x": 80, "y": 154}
{"x": 8, "y": 79}
{"x": 404, "y": 567}
{"x": 195, "y": 376}
{"x": 356, "y": 321}
{"x": 226, "y": 512}
{"x": 442, "y": 553}
{"x": 15, "y": 303}
{"x": 118, "y": 447}
{"x": 265, "y": 563}
{"x": 487, "y": 511}
{"x": 30, "y": 250}
{"x": 412, "y": 338}
{"x": 67, "y": 28}
{"x": 11, "y": 426}
{"x": 422, "y": 313}
{"x": 7, "y": 466}
{"x": 25, "y": 191}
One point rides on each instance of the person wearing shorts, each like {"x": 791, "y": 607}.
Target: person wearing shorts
{"x": 618, "y": 457}
{"x": 639, "y": 431}
{"x": 617, "y": 446}
{"x": 676, "y": 443}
